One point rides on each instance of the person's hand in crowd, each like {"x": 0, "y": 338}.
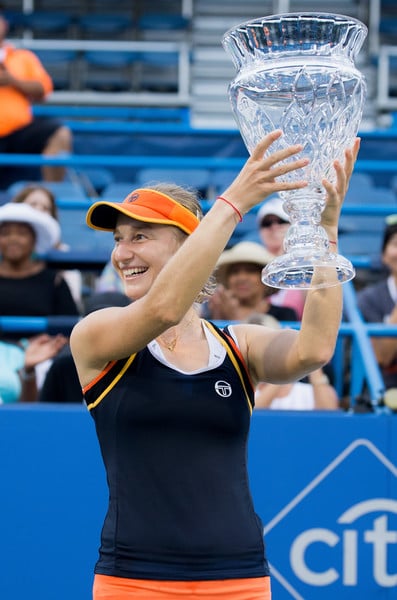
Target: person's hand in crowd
{"x": 41, "y": 348}
{"x": 223, "y": 304}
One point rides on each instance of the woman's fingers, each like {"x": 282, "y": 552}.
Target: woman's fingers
{"x": 263, "y": 146}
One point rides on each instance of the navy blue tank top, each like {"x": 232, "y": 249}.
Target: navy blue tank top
{"x": 174, "y": 447}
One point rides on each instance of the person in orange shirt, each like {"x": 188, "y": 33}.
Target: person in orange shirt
{"x": 23, "y": 80}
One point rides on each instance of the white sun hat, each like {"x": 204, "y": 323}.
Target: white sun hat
{"x": 243, "y": 252}
{"x": 45, "y": 227}
{"x": 274, "y": 206}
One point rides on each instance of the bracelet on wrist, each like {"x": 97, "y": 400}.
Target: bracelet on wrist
{"x": 236, "y": 210}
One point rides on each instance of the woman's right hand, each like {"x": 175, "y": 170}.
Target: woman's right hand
{"x": 258, "y": 178}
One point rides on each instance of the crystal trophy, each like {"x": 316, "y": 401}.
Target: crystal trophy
{"x": 296, "y": 72}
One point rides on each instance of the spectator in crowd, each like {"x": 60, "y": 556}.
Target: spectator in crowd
{"x": 23, "y": 80}
{"x": 18, "y": 362}
{"x": 273, "y": 223}
{"x": 378, "y": 304}
{"x": 61, "y": 383}
{"x": 27, "y": 285}
{"x": 41, "y": 198}
{"x": 240, "y": 291}
{"x": 316, "y": 393}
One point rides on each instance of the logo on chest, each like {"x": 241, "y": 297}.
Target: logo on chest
{"x": 223, "y": 388}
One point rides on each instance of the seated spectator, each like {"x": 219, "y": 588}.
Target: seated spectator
{"x": 18, "y": 362}
{"x": 273, "y": 223}
{"x": 61, "y": 383}
{"x": 23, "y": 80}
{"x": 41, "y": 198}
{"x": 27, "y": 286}
{"x": 240, "y": 291}
{"x": 314, "y": 392}
{"x": 378, "y": 304}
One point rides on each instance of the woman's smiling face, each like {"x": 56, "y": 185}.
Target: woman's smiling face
{"x": 141, "y": 251}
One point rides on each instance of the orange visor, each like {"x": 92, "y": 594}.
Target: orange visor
{"x": 145, "y": 205}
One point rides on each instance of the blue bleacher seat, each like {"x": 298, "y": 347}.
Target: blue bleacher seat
{"x": 158, "y": 71}
{"x": 367, "y": 195}
{"x": 105, "y": 25}
{"x": 63, "y": 190}
{"x": 163, "y": 26}
{"x": 62, "y": 65}
{"x": 220, "y": 179}
{"x": 16, "y": 22}
{"x": 94, "y": 181}
{"x": 117, "y": 191}
{"x": 361, "y": 243}
{"x": 107, "y": 70}
{"x": 48, "y": 23}
{"x": 198, "y": 179}
{"x": 78, "y": 236}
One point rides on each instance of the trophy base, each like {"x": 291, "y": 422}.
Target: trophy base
{"x": 307, "y": 270}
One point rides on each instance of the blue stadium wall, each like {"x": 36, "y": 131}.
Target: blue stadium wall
{"x": 324, "y": 485}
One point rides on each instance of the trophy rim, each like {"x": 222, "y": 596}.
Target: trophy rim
{"x": 338, "y": 17}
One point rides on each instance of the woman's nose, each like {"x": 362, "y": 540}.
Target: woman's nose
{"x": 123, "y": 251}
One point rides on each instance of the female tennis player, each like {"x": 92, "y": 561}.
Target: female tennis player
{"x": 172, "y": 395}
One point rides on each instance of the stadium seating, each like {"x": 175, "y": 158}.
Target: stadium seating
{"x": 62, "y": 190}
{"x": 198, "y": 179}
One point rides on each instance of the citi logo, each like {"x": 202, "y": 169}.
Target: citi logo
{"x": 340, "y": 532}
{"x": 378, "y": 536}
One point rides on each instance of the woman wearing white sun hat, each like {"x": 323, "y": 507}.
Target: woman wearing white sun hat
{"x": 27, "y": 285}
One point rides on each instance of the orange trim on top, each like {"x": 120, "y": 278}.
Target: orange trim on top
{"x": 99, "y": 376}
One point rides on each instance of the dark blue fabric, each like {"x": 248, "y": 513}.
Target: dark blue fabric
{"x": 175, "y": 454}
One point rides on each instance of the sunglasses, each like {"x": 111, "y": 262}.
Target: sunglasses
{"x": 275, "y": 221}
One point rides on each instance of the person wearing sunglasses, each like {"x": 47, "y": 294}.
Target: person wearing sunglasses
{"x": 378, "y": 304}
{"x": 273, "y": 223}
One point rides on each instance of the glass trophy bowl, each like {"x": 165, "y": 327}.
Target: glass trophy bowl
{"x": 296, "y": 72}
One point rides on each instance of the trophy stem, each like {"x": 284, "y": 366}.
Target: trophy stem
{"x": 307, "y": 262}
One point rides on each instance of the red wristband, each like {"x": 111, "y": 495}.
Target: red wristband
{"x": 332, "y": 242}
{"x": 236, "y": 210}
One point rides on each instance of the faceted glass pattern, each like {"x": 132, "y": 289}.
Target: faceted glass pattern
{"x": 296, "y": 72}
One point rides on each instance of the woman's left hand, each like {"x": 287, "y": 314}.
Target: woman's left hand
{"x": 336, "y": 192}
